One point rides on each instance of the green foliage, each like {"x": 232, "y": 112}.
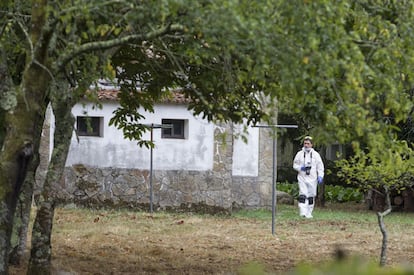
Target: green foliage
{"x": 290, "y": 188}
{"x": 340, "y": 68}
{"x": 333, "y": 193}
{"x": 381, "y": 163}
{"x": 336, "y": 193}
{"x": 211, "y": 62}
{"x": 343, "y": 73}
{"x": 348, "y": 74}
{"x": 345, "y": 69}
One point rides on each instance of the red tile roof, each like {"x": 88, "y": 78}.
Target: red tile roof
{"x": 112, "y": 95}
{"x": 108, "y": 94}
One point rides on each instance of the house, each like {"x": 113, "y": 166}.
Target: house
{"x": 194, "y": 165}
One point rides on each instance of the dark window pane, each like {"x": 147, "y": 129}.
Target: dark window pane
{"x": 166, "y": 132}
{"x": 88, "y": 126}
{"x": 177, "y": 130}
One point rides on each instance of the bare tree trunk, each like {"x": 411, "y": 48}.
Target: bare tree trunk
{"x": 383, "y": 258}
{"x": 40, "y": 258}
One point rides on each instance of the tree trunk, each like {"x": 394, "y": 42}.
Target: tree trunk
{"x": 40, "y": 258}
{"x": 383, "y": 258}
{"x": 23, "y": 126}
{"x": 5, "y": 87}
{"x": 321, "y": 195}
{"x": 15, "y": 166}
{"x": 22, "y": 215}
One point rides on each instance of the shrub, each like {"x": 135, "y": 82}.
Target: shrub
{"x": 333, "y": 193}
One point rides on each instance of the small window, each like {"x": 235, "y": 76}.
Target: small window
{"x": 89, "y": 126}
{"x": 177, "y": 129}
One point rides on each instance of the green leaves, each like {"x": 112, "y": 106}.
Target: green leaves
{"x": 211, "y": 61}
{"x": 385, "y": 163}
{"x": 342, "y": 68}
{"x": 333, "y": 193}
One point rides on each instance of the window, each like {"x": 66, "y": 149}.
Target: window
{"x": 177, "y": 129}
{"x": 89, "y": 126}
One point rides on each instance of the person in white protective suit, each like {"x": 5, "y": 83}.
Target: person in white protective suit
{"x": 308, "y": 163}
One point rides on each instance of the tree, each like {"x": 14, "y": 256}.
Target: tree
{"x": 342, "y": 66}
{"x": 216, "y": 66}
{"x": 386, "y": 166}
{"x": 356, "y": 64}
{"x": 58, "y": 38}
{"x": 22, "y": 134}
{"x": 346, "y": 66}
{"x": 42, "y": 228}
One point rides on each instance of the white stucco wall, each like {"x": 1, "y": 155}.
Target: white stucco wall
{"x": 246, "y": 154}
{"x": 113, "y": 150}
{"x": 196, "y": 152}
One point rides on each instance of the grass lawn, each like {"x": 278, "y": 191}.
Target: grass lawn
{"x": 128, "y": 242}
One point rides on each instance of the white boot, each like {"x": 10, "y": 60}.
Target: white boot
{"x": 303, "y": 209}
{"x": 310, "y": 209}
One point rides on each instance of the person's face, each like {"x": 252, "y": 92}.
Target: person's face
{"x": 307, "y": 144}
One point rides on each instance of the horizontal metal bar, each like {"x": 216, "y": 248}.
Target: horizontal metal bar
{"x": 152, "y": 125}
{"x": 276, "y": 126}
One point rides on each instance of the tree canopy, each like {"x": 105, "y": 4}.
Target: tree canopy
{"x": 347, "y": 66}
{"x": 343, "y": 68}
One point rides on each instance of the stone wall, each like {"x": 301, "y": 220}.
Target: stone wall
{"x": 131, "y": 188}
{"x": 206, "y": 191}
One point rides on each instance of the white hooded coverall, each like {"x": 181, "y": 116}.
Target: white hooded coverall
{"x": 308, "y": 183}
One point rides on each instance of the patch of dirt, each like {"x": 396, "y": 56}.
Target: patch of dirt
{"x": 105, "y": 242}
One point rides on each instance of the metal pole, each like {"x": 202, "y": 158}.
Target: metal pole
{"x": 151, "y": 210}
{"x": 152, "y": 126}
{"x": 274, "y": 168}
{"x": 274, "y": 182}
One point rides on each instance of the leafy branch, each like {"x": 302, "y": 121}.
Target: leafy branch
{"x": 115, "y": 42}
